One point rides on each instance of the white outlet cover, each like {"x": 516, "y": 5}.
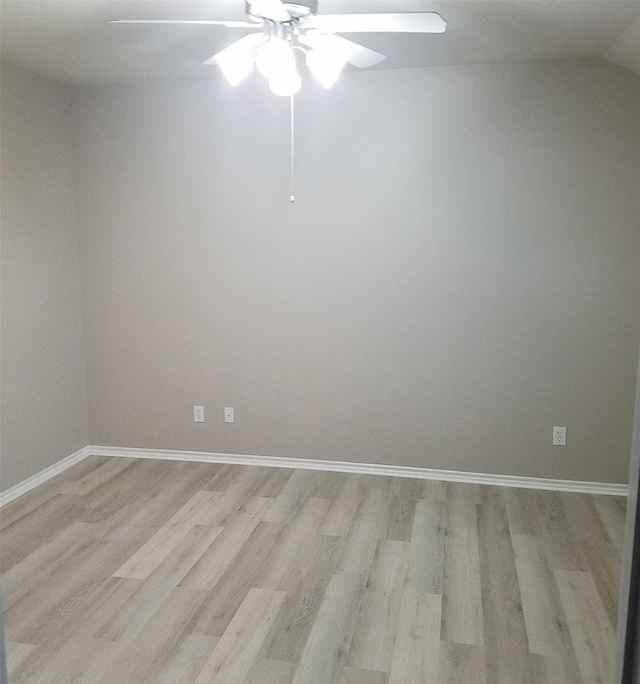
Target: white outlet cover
{"x": 198, "y": 414}
{"x": 228, "y": 414}
{"x": 559, "y": 436}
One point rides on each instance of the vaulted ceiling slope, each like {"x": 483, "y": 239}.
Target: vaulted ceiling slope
{"x": 72, "y": 41}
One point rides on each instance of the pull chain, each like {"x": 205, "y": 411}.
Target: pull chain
{"x": 292, "y": 199}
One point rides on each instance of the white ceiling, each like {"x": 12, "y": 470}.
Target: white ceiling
{"x": 72, "y": 41}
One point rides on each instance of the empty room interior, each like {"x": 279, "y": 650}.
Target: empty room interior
{"x": 320, "y": 327}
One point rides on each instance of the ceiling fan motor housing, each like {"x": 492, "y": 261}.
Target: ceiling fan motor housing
{"x": 297, "y": 10}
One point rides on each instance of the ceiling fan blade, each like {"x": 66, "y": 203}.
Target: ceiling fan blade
{"x": 400, "y": 22}
{"x": 355, "y": 54}
{"x": 270, "y": 9}
{"x": 251, "y": 42}
{"x": 228, "y": 24}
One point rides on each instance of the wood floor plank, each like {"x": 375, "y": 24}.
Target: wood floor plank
{"x": 591, "y": 630}
{"x": 462, "y": 611}
{"x": 538, "y": 670}
{"x": 461, "y": 505}
{"x": 217, "y": 559}
{"x": 605, "y": 566}
{"x": 462, "y": 664}
{"x": 223, "y": 478}
{"x": 297, "y": 489}
{"x": 81, "y": 660}
{"x": 562, "y": 545}
{"x": 38, "y": 615}
{"x": 79, "y": 470}
{"x": 426, "y": 549}
{"x": 537, "y": 593}
{"x": 326, "y": 485}
{"x": 489, "y": 495}
{"x": 351, "y": 675}
{"x": 97, "y": 477}
{"x": 369, "y": 526}
{"x": 584, "y": 518}
{"x": 402, "y": 496}
{"x": 266, "y": 671}
{"x": 374, "y": 638}
{"x": 341, "y": 513}
{"x": 434, "y": 490}
{"x": 290, "y": 632}
{"x": 151, "y": 506}
{"x": 227, "y": 505}
{"x": 273, "y": 483}
{"x": 217, "y": 611}
{"x": 125, "y": 623}
{"x": 39, "y": 525}
{"x": 45, "y": 562}
{"x": 144, "y": 658}
{"x": 196, "y": 511}
{"x": 127, "y": 484}
{"x": 185, "y": 661}
{"x": 546, "y": 624}
{"x": 293, "y": 551}
{"x": 110, "y": 608}
{"x": 23, "y": 505}
{"x": 320, "y": 660}
{"x": 16, "y": 653}
{"x": 235, "y": 653}
{"x": 612, "y": 514}
{"x": 417, "y": 650}
{"x": 523, "y": 511}
{"x": 508, "y": 659}
{"x": 70, "y": 629}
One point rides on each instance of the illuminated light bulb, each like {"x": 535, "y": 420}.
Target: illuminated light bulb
{"x": 275, "y": 57}
{"x": 285, "y": 83}
{"x": 326, "y": 65}
{"x": 236, "y": 63}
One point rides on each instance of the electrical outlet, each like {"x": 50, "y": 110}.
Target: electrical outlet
{"x": 228, "y": 415}
{"x": 559, "y": 436}
{"x": 198, "y": 414}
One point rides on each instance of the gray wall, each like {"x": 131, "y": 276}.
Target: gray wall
{"x": 459, "y": 273}
{"x": 42, "y": 365}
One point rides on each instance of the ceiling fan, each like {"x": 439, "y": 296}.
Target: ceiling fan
{"x": 284, "y": 27}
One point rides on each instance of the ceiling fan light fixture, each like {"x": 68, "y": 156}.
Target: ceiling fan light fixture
{"x": 326, "y": 65}
{"x": 285, "y": 25}
{"x": 275, "y": 57}
{"x": 285, "y": 83}
{"x": 236, "y": 63}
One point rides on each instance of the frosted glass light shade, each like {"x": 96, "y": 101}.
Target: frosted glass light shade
{"x": 285, "y": 83}
{"x": 236, "y": 63}
{"x": 274, "y": 57}
{"x": 326, "y": 65}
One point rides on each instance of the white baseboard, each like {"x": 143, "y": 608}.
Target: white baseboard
{"x": 314, "y": 464}
{"x": 44, "y": 475}
{"x": 367, "y": 469}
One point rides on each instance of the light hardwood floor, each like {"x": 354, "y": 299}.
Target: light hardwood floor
{"x": 123, "y": 570}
